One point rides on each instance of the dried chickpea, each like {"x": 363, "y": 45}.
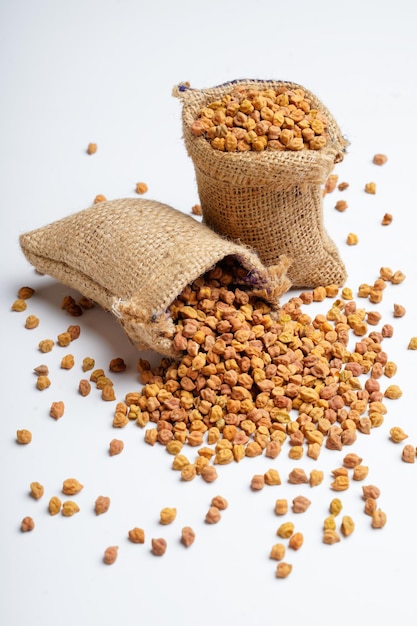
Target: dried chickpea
{"x": 379, "y": 159}
{"x": 71, "y": 486}
{"x": 370, "y": 188}
{"x": 117, "y": 365}
{"x": 187, "y": 536}
{"x": 19, "y": 305}
{"x": 283, "y": 570}
{"x": 300, "y": 504}
{"x": 136, "y": 535}
{"x": 159, "y": 546}
{"x": 43, "y": 382}
{"x": 360, "y": 472}
{"x": 54, "y": 505}
{"x": 296, "y": 541}
{"x": 141, "y": 188}
{"x": 257, "y": 482}
{"x": 285, "y": 530}
{"x": 84, "y": 387}
{"x": 281, "y": 506}
{"x": 110, "y": 555}
{"x": 32, "y": 321}
{"x": 57, "y": 409}
{"x": 316, "y": 477}
{"x": 209, "y": 473}
{"x": 64, "y": 339}
{"x": 330, "y": 536}
{"x": 336, "y": 506}
{"x": 116, "y": 447}
{"x": 408, "y": 454}
{"x": 167, "y": 515}
{"x": 25, "y": 293}
{"x": 340, "y": 483}
{"x": 101, "y": 505}
{"x": 347, "y": 526}
{"x": 88, "y": 364}
{"x": 277, "y": 552}
{"x": 213, "y": 515}
{"x": 379, "y": 519}
{"x": 397, "y": 434}
{"x": 36, "y": 490}
{"x": 412, "y": 344}
{"x": 91, "y": 148}
{"x": 69, "y": 508}
{"x": 27, "y": 524}
{"x": 23, "y": 436}
{"x": 99, "y": 198}
{"x": 272, "y": 477}
{"x": 220, "y": 502}
{"x": 352, "y": 239}
{"x": 393, "y": 392}
{"x": 46, "y": 345}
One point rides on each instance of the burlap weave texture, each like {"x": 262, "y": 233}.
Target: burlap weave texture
{"x": 134, "y": 256}
{"x": 270, "y": 200}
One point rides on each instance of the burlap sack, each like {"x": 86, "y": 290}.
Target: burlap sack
{"x": 134, "y": 256}
{"x": 270, "y": 200}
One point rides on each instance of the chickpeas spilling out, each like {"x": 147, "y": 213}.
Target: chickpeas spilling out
{"x": 259, "y": 119}
{"x": 243, "y": 369}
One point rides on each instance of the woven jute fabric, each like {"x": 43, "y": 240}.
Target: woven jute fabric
{"x": 269, "y": 200}
{"x": 133, "y": 257}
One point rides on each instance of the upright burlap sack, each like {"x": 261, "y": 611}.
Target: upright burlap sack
{"x": 269, "y": 200}
{"x": 133, "y": 257}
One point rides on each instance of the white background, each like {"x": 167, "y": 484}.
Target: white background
{"x": 102, "y": 71}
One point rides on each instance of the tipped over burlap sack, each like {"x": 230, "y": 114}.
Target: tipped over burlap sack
{"x": 133, "y": 257}
{"x": 270, "y": 200}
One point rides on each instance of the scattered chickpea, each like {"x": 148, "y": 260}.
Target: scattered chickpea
{"x": 88, "y": 364}
{"x": 159, "y": 546}
{"x": 283, "y": 570}
{"x": 379, "y": 159}
{"x": 46, "y": 345}
{"x": 370, "y": 188}
{"x": 99, "y": 198}
{"x": 141, "y": 188}
{"x": 196, "y": 210}
{"x": 386, "y": 219}
{"x": 101, "y": 505}
{"x": 379, "y": 519}
{"x": 409, "y": 454}
{"x": 397, "y": 434}
{"x": 54, "y": 505}
{"x": 25, "y": 293}
{"x": 352, "y": 239}
{"x": 32, "y": 321}
{"x": 116, "y": 446}
{"x": 71, "y": 486}
{"x": 187, "y": 536}
{"x": 213, "y": 515}
{"x": 341, "y": 205}
{"x": 36, "y": 490}
{"x": 84, "y": 387}
{"x": 69, "y": 508}
{"x": 412, "y": 344}
{"x": 57, "y": 409}
{"x": 300, "y": 504}
{"x": 167, "y": 515}
{"x": 347, "y": 526}
{"x": 296, "y": 541}
{"x": 136, "y": 535}
{"x": 27, "y": 524}
{"x": 91, "y": 148}
{"x": 277, "y": 552}
{"x": 19, "y": 305}
{"x": 23, "y": 436}
{"x": 110, "y": 555}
